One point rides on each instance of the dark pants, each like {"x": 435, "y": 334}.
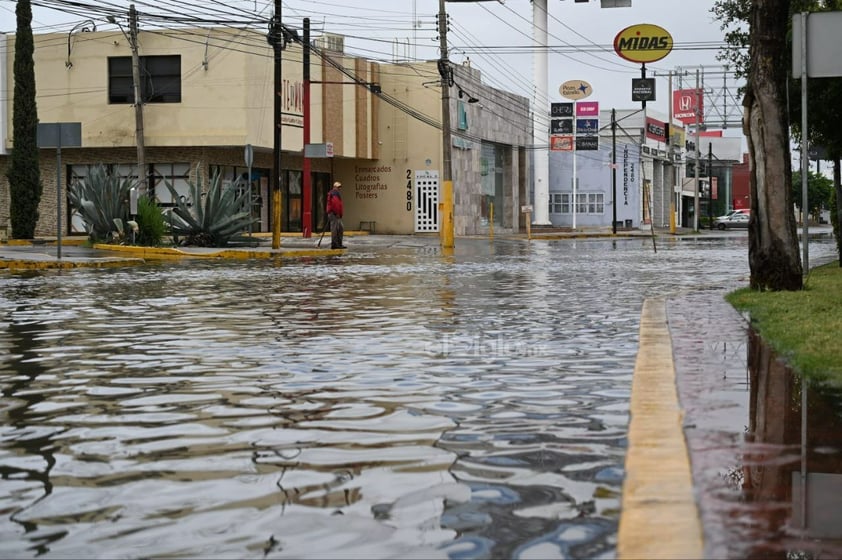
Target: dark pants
{"x": 337, "y": 230}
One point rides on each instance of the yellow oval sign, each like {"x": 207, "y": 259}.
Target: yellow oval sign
{"x": 643, "y": 43}
{"x": 575, "y": 89}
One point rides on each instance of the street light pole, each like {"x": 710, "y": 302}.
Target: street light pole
{"x": 446, "y": 205}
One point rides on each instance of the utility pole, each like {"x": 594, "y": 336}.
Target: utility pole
{"x": 276, "y": 39}
{"x": 696, "y": 209}
{"x": 446, "y": 205}
{"x": 710, "y": 185}
{"x": 138, "y": 103}
{"x": 307, "y": 195}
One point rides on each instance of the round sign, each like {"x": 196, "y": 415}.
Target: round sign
{"x": 575, "y": 89}
{"x": 643, "y": 43}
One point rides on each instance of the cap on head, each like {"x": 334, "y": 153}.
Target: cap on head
{"x": 337, "y": 184}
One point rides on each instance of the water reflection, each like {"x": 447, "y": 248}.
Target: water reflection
{"x": 394, "y": 402}
{"x": 795, "y": 443}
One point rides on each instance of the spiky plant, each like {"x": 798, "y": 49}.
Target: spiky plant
{"x": 101, "y": 199}
{"x": 211, "y": 218}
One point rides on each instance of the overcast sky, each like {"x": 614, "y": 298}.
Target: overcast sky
{"x": 486, "y": 32}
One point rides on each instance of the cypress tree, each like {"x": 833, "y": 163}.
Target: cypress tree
{"x": 24, "y": 172}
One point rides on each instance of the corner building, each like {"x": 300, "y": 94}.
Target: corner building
{"x": 209, "y": 93}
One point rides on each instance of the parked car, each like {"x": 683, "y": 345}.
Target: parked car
{"x": 732, "y": 220}
{"x": 745, "y": 211}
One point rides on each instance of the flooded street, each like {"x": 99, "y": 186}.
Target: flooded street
{"x": 393, "y": 402}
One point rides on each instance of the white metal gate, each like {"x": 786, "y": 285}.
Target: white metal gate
{"x": 426, "y": 201}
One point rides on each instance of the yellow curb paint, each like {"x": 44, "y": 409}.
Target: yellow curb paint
{"x": 659, "y": 515}
{"x": 22, "y": 264}
{"x": 173, "y": 253}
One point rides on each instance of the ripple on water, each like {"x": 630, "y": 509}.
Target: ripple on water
{"x": 396, "y": 402}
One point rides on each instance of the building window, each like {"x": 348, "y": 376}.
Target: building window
{"x": 560, "y": 203}
{"x": 586, "y": 203}
{"x": 177, "y": 175}
{"x": 160, "y": 79}
{"x": 463, "y": 116}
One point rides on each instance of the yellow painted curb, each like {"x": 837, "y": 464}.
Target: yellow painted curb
{"x": 23, "y": 264}
{"x": 174, "y": 253}
{"x": 659, "y": 515}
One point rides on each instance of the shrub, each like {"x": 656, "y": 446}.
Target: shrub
{"x": 209, "y": 219}
{"x": 150, "y": 221}
{"x": 102, "y": 201}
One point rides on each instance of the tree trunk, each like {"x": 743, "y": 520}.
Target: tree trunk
{"x": 773, "y": 243}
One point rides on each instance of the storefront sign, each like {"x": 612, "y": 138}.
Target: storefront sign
{"x": 643, "y": 43}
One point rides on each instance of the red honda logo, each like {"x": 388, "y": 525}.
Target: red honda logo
{"x": 685, "y": 102}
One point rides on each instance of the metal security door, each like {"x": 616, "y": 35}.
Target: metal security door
{"x": 426, "y": 201}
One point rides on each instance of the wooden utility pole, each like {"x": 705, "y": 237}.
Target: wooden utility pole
{"x": 138, "y": 103}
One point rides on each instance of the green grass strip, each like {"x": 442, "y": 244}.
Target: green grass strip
{"x": 805, "y": 327}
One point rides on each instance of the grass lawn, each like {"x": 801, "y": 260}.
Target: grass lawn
{"x": 804, "y": 327}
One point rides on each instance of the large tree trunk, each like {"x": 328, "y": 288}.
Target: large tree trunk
{"x": 773, "y": 242}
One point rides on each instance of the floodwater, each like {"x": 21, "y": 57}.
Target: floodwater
{"x": 394, "y": 402}
{"x": 758, "y": 434}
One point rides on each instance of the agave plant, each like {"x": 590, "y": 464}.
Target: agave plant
{"x": 212, "y": 218}
{"x": 102, "y": 201}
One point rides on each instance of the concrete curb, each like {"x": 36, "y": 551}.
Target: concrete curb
{"x": 174, "y": 253}
{"x": 659, "y": 517}
{"x": 52, "y": 263}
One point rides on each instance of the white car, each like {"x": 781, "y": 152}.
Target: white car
{"x": 732, "y": 220}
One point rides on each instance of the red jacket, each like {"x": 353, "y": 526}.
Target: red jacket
{"x": 334, "y": 203}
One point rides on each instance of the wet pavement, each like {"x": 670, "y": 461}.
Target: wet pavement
{"x": 756, "y": 435}
{"x": 393, "y": 402}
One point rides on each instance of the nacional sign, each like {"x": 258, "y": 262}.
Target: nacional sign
{"x": 643, "y": 43}
{"x": 575, "y": 89}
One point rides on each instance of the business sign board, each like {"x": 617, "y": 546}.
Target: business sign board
{"x": 656, "y": 130}
{"x": 560, "y": 143}
{"x": 561, "y": 109}
{"x": 684, "y": 104}
{"x": 575, "y": 89}
{"x": 561, "y": 126}
{"x": 587, "y": 127}
{"x": 587, "y": 109}
{"x": 643, "y": 43}
{"x": 587, "y": 143}
{"x": 643, "y": 89}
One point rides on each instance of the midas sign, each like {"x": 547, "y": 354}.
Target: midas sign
{"x": 643, "y": 43}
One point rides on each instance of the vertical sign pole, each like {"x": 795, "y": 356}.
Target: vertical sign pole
{"x": 614, "y": 169}
{"x": 805, "y": 264}
{"x": 575, "y": 151}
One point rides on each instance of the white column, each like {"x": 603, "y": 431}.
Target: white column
{"x": 540, "y": 121}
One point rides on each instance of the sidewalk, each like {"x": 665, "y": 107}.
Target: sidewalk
{"x": 44, "y": 253}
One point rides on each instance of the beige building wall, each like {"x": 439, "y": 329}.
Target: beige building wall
{"x": 227, "y": 102}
